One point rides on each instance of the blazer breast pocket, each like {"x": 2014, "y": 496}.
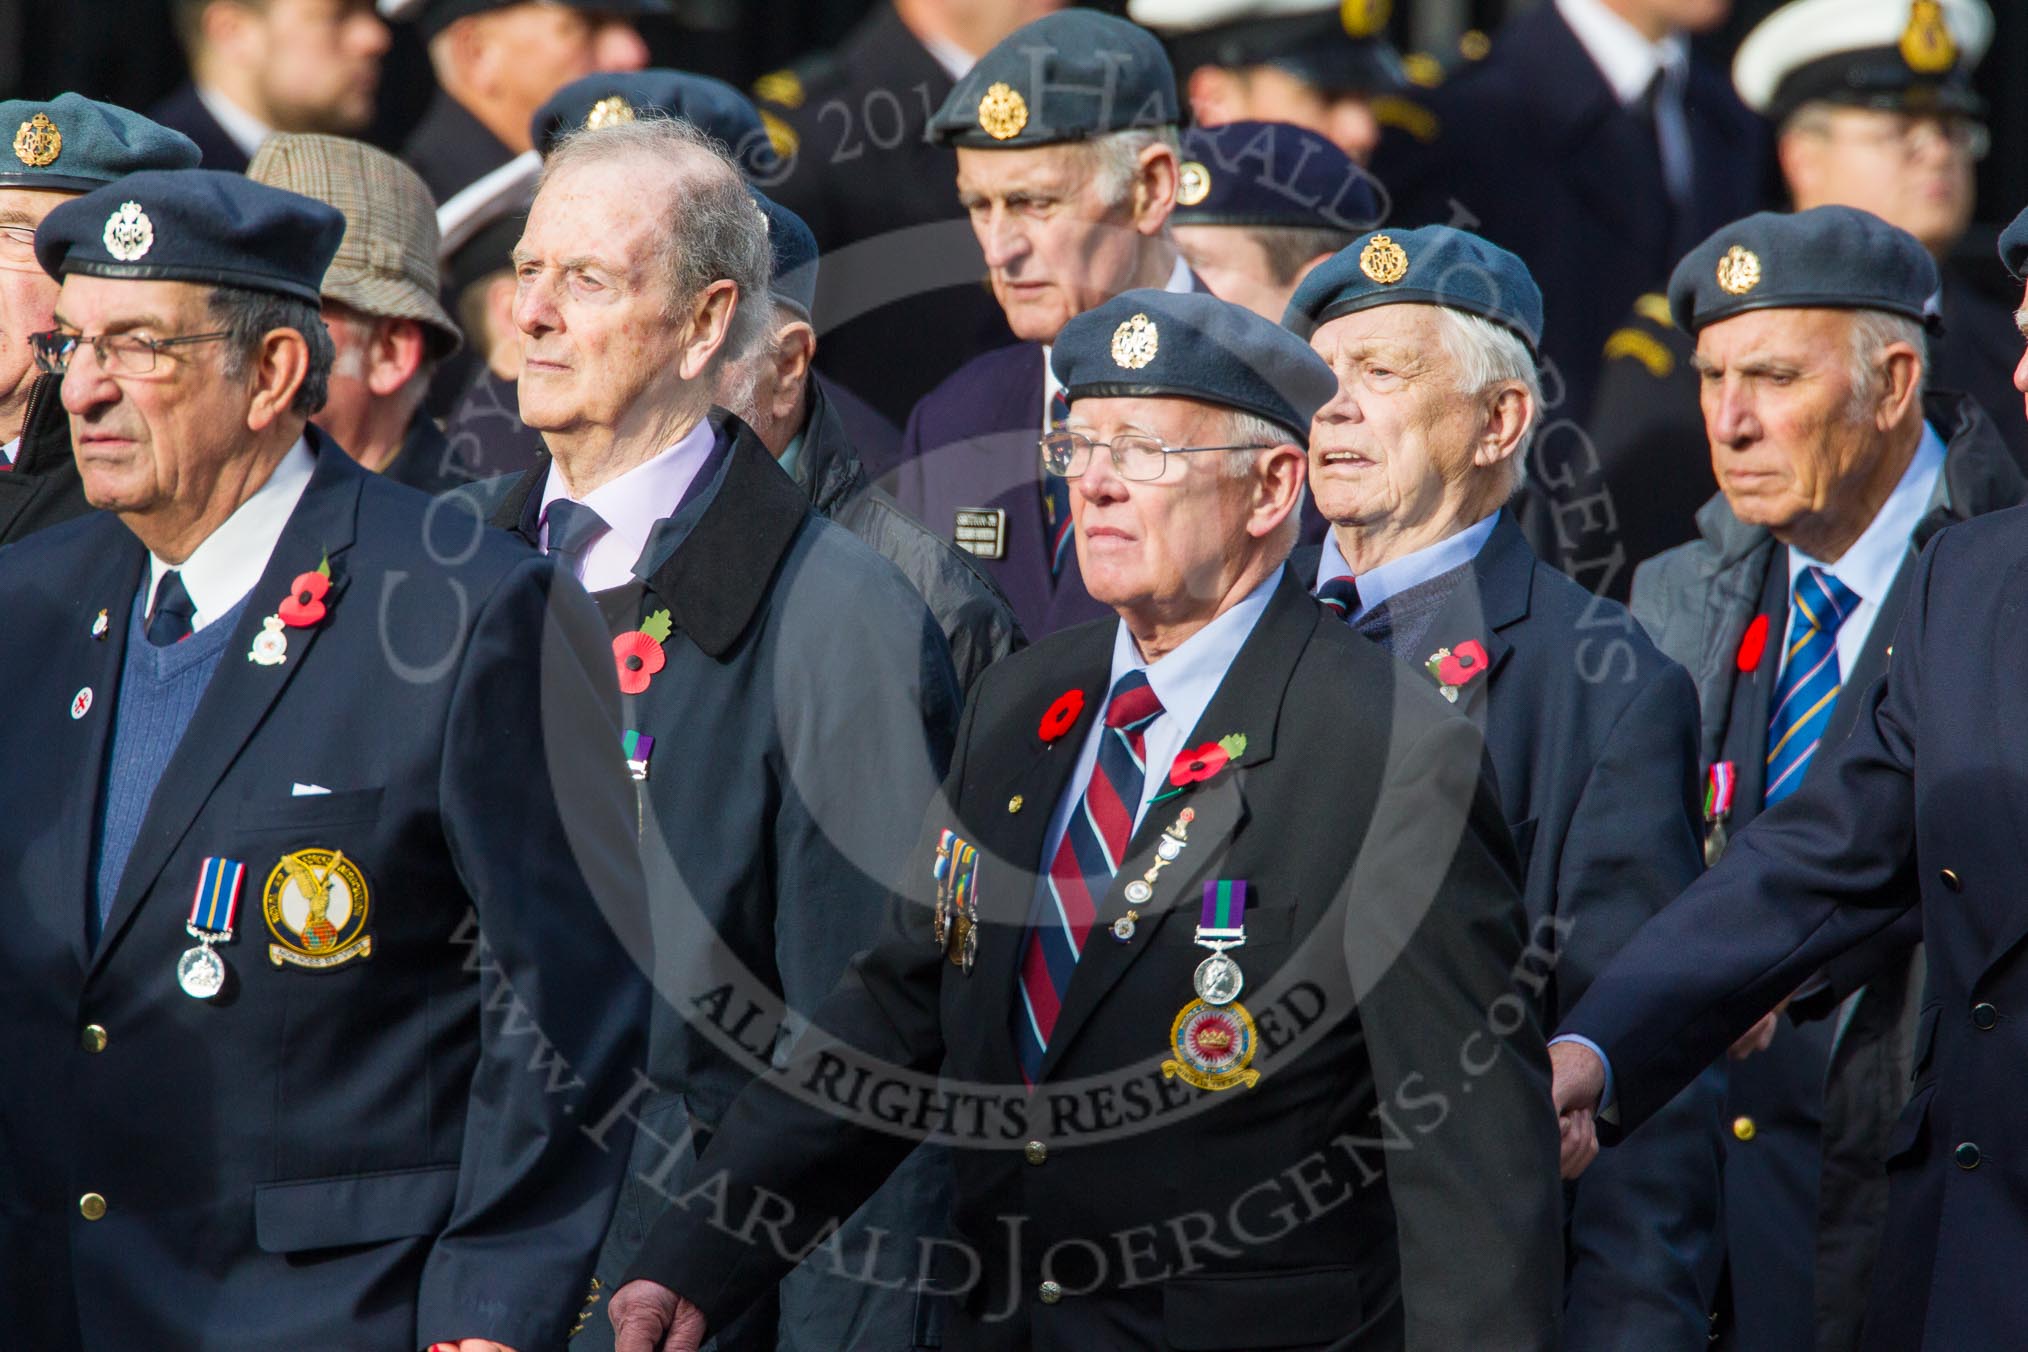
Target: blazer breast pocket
{"x": 310, "y": 812}
{"x": 330, "y": 1213}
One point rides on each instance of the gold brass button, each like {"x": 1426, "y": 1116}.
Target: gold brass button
{"x": 1951, "y": 880}
{"x": 91, "y": 1206}
{"x": 93, "y": 1039}
{"x": 1035, "y": 1152}
{"x": 1014, "y": 803}
{"x": 1049, "y": 1293}
{"x": 1743, "y": 1128}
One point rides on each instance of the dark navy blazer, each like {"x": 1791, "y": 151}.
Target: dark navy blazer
{"x": 383, "y": 1153}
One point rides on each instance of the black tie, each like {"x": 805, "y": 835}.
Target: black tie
{"x": 572, "y": 528}
{"x": 170, "y": 621}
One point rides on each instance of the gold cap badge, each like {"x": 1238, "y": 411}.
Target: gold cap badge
{"x": 37, "y": 142}
{"x": 1739, "y": 271}
{"x": 129, "y": 233}
{"x": 1002, "y": 112}
{"x": 1364, "y": 18}
{"x": 1193, "y": 184}
{"x": 1383, "y": 260}
{"x": 1135, "y": 342}
{"x": 609, "y": 111}
{"x": 1926, "y": 44}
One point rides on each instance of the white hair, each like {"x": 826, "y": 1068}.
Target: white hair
{"x": 1873, "y": 332}
{"x": 1489, "y": 354}
{"x": 1116, "y": 158}
{"x": 1251, "y": 429}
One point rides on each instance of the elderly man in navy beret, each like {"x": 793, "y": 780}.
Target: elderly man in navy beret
{"x": 1433, "y": 336}
{"x": 63, "y": 147}
{"x": 1817, "y": 566}
{"x": 299, "y": 1036}
{"x": 1171, "y": 999}
{"x": 1259, "y": 204}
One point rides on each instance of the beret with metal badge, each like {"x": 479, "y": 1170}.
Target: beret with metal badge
{"x": 1192, "y": 345}
{"x": 1834, "y": 257}
{"x": 1275, "y": 174}
{"x": 73, "y": 144}
{"x": 1432, "y": 265}
{"x": 1068, "y": 76}
{"x": 712, "y": 106}
{"x": 794, "y": 278}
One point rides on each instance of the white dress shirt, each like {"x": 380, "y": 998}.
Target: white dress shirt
{"x": 222, "y": 570}
{"x": 1179, "y": 282}
{"x": 248, "y": 132}
{"x": 1395, "y": 576}
{"x": 1184, "y": 681}
{"x": 631, "y": 505}
{"x": 12, "y": 450}
{"x": 1870, "y": 565}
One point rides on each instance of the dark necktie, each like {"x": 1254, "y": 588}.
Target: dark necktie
{"x": 169, "y": 622}
{"x": 1056, "y": 497}
{"x": 572, "y": 528}
{"x": 1082, "y": 872}
{"x": 1341, "y": 594}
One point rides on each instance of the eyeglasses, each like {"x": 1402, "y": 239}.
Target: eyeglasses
{"x": 17, "y": 244}
{"x": 1139, "y": 458}
{"x": 1914, "y": 136}
{"x": 119, "y": 354}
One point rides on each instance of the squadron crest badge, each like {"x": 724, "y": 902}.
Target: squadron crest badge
{"x": 129, "y": 233}
{"x": 1383, "y": 261}
{"x": 316, "y": 906}
{"x": 609, "y": 111}
{"x": 37, "y": 142}
{"x": 1135, "y": 343}
{"x": 1738, "y": 271}
{"x": 1002, "y": 112}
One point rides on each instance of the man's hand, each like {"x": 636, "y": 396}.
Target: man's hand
{"x": 1576, "y": 1084}
{"x": 1756, "y": 1038}
{"x": 651, "y": 1318}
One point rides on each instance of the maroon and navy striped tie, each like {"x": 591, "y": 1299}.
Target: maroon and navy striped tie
{"x": 1066, "y": 906}
{"x": 1056, "y": 496}
{"x": 1341, "y": 594}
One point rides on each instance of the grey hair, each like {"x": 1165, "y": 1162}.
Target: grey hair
{"x": 1873, "y": 332}
{"x": 1115, "y": 158}
{"x": 247, "y": 316}
{"x": 1488, "y": 354}
{"x": 716, "y": 231}
{"x": 1251, "y": 429}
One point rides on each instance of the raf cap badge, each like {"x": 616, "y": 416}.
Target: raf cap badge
{"x": 129, "y": 233}
{"x": 609, "y": 111}
{"x": 316, "y": 903}
{"x": 1739, "y": 271}
{"x": 1193, "y": 184}
{"x": 1383, "y": 261}
{"x": 37, "y": 142}
{"x": 1926, "y": 43}
{"x": 1135, "y": 342}
{"x": 1002, "y": 112}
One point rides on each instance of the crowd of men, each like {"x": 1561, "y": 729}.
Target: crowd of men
{"x": 610, "y": 749}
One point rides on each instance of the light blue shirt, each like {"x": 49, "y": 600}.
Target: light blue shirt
{"x": 1395, "y": 576}
{"x": 1184, "y": 681}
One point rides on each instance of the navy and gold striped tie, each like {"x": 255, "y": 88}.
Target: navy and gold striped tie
{"x": 1809, "y": 683}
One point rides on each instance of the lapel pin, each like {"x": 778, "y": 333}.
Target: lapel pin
{"x": 1014, "y": 803}
{"x": 100, "y": 625}
{"x": 81, "y": 703}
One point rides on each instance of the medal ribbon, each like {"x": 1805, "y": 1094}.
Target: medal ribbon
{"x": 636, "y": 745}
{"x": 1719, "y": 783}
{"x": 216, "y": 902}
{"x": 1224, "y": 916}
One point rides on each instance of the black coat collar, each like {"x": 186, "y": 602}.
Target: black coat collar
{"x": 715, "y": 575}
{"x": 828, "y": 468}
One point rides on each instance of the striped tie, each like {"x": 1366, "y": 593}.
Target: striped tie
{"x": 1809, "y": 684}
{"x": 1341, "y": 594}
{"x": 1056, "y": 497}
{"x": 1066, "y": 905}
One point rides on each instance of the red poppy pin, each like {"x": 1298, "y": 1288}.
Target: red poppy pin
{"x": 638, "y": 653}
{"x": 1194, "y": 767}
{"x": 300, "y": 609}
{"x": 1061, "y": 716}
{"x": 1454, "y": 668}
{"x": 1752, "y": 644}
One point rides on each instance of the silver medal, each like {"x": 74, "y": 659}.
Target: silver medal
{"x": 1138, "y": 891}
{"x": 200, "y": 972}
{"x": 1123, "y": 929}
{"x": 1218, "y": 980}
{"x": 1168, "y": 847}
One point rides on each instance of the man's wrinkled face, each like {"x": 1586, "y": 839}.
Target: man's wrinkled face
{"x": 319, "y": 63}
{"x": 592, "y": 299}
{"x": 1917, "y": 173}
{"x": 27, "y": 293}
{"x": 1053, "y": 247}
{"x": 1777, "y": 392}
{"x": 1158, "y": 544}
{"x": 144, "y": 441}
{"x": 1398, "y": 432}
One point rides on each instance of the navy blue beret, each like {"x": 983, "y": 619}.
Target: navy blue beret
{"x": 194, "y": 225}
{"x": 1837, "y": 258}
{"x": 712, "y": 106}
{"x": 1069, "y": 76}
{"x": 1433, "y": 265}
{"x": 434, "y": 16}
{"x": 2014, "y": 247}
{"x": 795, "y": 252}
{"x": 1271, "y": 173}
{"x": 73, "y": 144}
{"x": 1192, "y": 345}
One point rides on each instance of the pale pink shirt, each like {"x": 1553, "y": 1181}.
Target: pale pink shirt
{"x": 631, "y": 505}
